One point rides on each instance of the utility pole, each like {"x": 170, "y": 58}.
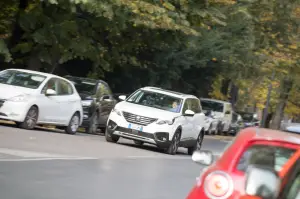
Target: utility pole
{"x": 265, "y": 111}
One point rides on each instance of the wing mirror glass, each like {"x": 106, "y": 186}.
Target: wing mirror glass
{"x": 262, "y": 182}
{"x": 50, "y": 92}
{"x": 203, "y": 157}
{"x": 189, "y": 113}
{"x": 122, "y": 97}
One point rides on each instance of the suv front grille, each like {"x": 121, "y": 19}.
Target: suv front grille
{"x": 137, "y": 119}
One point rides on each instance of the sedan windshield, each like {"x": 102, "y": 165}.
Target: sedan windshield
{"x": 211, "y": 105}
{"x": 156, "y": 100}
{"x": 22, "y": 79}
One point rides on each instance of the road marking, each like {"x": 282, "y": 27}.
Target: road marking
{"x": 27, "y": 154}
{"x": 42, "y": 159}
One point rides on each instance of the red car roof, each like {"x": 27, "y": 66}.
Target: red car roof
{"x": 268, "y": 134}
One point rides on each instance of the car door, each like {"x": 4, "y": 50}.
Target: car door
{"x": 67, "y": 101}
{"x": 187, "y": 121}
{"x": 291, "y": 183}
{"x": 49, "y": 105}
{"x": 105, "y": 102}
{"x": 198, "y": 120}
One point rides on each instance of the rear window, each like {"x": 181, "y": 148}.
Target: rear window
{"x": 265, "y": 155}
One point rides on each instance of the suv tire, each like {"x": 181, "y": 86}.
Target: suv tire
{"x": 111, "y": 138}
{"x": 93, "y": 125}
{"x": 198, "y": 143}
{"x": 172, "y": 149}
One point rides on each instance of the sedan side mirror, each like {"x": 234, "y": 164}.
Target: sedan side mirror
{"x": 122, "y": 97}
{"x": 203, "y": 157}
{"x": 50, "y": 92}
{"x": 189, "y": 113}
{"x": 262, "y": 182}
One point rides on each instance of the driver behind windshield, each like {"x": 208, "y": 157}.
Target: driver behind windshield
{"x": 175, "y": 106}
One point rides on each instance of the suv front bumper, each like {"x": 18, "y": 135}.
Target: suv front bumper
{"x": 160, "y": 139}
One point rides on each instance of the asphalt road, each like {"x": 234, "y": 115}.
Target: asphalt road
{"x": 43, "y": 164}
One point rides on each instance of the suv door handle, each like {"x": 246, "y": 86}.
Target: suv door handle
{"x": 71, "y": 100}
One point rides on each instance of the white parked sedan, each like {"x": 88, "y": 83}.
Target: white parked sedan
{"x": 29, "y": 98}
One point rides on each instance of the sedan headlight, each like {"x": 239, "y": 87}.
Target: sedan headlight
{"x": 116, "y": 111}
{"x": 170, "y": 122}
{"x": 19, "y": 98}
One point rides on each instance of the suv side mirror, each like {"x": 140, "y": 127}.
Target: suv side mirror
{"x": 50, "y": 92}
{"x": 122, "y": 97}
{"x": 262, "y": 182}
{"x": 203, "y": 157}
{"x": 189, "y": 113}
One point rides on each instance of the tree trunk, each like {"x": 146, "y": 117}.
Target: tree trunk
{"x": 286, "y": 87}
{"x": 34, "y": 62}
{"x": 17, "y": 32}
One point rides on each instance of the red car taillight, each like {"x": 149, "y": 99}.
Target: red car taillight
{"x": 218, "y": 185}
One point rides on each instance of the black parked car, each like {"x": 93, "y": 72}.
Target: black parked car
{"x": 97, "y": 102}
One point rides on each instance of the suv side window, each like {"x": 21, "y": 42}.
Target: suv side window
{"x": 195, "y": 106}
{"x": 186, "y": 105}
{"x": 265, "y": 155}
{"x": 103, "y": 90}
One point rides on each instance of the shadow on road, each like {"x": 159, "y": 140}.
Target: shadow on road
{"x": 149, "y": 148}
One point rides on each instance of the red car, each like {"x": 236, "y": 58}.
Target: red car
{"x": 265, "y": 183}
{"x": 225, "y": 178}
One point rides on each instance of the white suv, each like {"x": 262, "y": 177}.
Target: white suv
{"x": 164, "y": 118}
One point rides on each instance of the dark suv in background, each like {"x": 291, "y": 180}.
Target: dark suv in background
{"x": 97, "y": 102}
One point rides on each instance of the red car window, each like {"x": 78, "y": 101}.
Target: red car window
{"x": 264, "y": 155}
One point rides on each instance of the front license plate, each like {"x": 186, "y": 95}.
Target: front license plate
{"x": 135, "y": 127}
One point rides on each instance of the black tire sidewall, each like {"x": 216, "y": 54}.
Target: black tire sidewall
{"x": 89, "y": 129}
{"x": 24, "y": 124}
{"x": 68, "y": 129}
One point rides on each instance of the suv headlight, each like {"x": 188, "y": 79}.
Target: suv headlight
{"x": 116, "y": 111}
{"x": 170, "y": 122}
{"x": 86, "y": 102}
{"x": 19, "y": 98}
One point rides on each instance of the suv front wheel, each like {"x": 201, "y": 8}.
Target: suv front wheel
{"x": 198, "y": 143}
{"x": 172, "y": 149}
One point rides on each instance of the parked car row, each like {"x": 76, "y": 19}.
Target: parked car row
{"x": 152, "y": 115}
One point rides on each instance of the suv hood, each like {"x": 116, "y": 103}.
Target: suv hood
{"x": 9, "y": 91}
{"x": 145, "y": 111}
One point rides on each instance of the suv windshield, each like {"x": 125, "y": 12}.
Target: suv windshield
{"x": 88, "y": 86}
{"x": 156, "y": 100}
{"x": 211, "y": 105}
{"x": 22, "y": 79}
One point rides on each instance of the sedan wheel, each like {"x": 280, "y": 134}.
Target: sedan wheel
{"x": 73, "y": 124}
{"x": 30, "y": 119}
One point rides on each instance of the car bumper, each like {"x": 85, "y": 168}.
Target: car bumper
{"x": 87, "y": 113}
{"x": 14, "y": 111}
{"x": 117, "y": 125}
